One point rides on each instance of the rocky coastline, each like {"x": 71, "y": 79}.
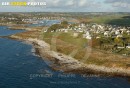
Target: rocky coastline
{"x": 61, "y": 62}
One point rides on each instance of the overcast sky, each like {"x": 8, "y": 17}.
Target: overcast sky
{"x": 71, "y": 6}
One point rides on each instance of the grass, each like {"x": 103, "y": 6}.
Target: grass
{"x": 29, "y": 34}
{"x": 112, "y": 19}
{"x": 74, "y": 47}
{"x": 66, "y": 37}
{"x": 69, "y": 45}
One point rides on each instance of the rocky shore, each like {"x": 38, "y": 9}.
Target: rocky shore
{"x": 61, "y": 62}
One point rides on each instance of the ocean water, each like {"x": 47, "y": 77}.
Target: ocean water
{"x": 5, "y": 31}
{"x": 45, "y": 23}
{"x": 20, "y": 68}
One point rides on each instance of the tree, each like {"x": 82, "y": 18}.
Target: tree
{"x": 100, "y": 43}
{"x": 116, "y": 40}
{"x": 64, "y": 23}
{"x": 124, "y": 41}
{"x": 54, "y": 27}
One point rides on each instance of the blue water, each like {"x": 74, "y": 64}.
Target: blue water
{"x": 19, "y": 68}
{"x": 5, "y": 31}
{"x": 45, "y": 23}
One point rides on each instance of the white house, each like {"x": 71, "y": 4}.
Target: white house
{"x": 88, "y": 35}
{"x": 117, "y": 32}
{"x": 119, "y": 36}
{"x": 106, "y": 33}
{"x": 75, "y": 34}
{"x": 45, "y": 30}
{"x": 128, "y": 32}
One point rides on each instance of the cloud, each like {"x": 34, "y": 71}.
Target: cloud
{"x": 67, "y": 3}
{"x": 113, "y": 1}
{"x": 83, "y": 3}
{"x": 70, "y": 3}
{"x": 119, "y": 3}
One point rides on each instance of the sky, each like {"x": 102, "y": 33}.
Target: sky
{"x": 70, "y": 6}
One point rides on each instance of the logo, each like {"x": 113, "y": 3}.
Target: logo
{"x": 23, "y": 3}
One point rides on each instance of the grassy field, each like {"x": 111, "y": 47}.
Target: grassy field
{"x": 117, "y": 19}
{"x": 77, "y": 48}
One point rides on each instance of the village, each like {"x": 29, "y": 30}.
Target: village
{"x": 106, "y": 37}
{"x": 111, "y": 38}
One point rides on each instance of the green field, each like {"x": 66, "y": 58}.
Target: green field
{"x": 77, "y": 48}
{"x": 111, "y": 19}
